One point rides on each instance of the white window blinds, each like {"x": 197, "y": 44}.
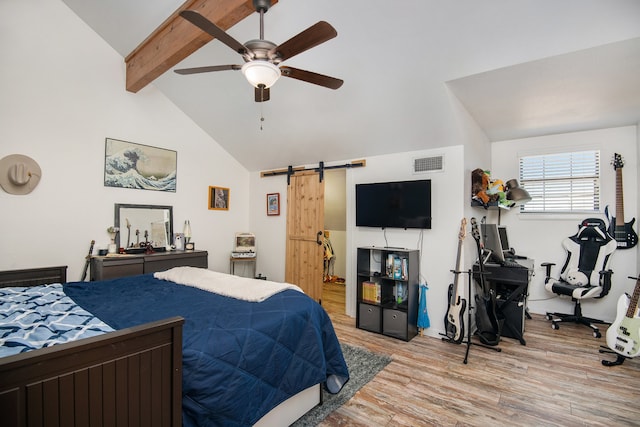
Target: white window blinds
{"x": 562, "y": 182}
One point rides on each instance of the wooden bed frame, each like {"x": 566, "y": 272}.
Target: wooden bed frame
{"x": 128, "y": 377}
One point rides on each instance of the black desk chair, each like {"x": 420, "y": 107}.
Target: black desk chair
{"x": 584, "y": 273}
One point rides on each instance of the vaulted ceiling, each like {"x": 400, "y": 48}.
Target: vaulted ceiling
{"x": 520, "y": 68}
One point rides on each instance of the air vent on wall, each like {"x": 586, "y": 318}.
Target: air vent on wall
{"x": 428, "y": 164}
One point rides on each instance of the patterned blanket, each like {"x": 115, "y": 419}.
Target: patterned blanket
{"x": 40, "y": 316}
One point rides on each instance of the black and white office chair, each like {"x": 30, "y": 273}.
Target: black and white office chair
{"x": 584, "y": 273}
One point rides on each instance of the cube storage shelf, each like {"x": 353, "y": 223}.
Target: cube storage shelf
{"x": 387, "y": 291}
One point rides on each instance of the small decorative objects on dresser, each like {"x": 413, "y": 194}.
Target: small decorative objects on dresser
{"x": 113, "y": 231}
{"x": 178, "y": 241}
{"x": 187, "y": 231}
{"x": 188, "y": 244}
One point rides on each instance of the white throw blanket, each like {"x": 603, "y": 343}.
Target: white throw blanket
{"x": 243, "y": 288}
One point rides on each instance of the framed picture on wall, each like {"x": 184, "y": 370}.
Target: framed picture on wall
{"x": 130, "y": 165}
{"x": 218, "y": 198}
{"x": 273, "y": 204}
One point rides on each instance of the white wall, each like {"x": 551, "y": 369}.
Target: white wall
{"x": 538, "y": 236}
{"x": 437, "y": 245}
{"x": 271, "y": 231}
{"x": 63, "y": 93}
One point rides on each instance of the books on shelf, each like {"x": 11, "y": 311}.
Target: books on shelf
{"x": 397, "y": 267}
{"x": 371, "y": 292}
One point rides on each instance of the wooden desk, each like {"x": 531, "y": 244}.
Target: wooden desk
{"x": 112, "y": 266}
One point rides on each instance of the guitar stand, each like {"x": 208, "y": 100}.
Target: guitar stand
{"x": 619, "y": 358}
{"x": 469, "y": 334}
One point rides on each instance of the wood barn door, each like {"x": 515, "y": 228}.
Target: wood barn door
{"x": 305, "y": 219}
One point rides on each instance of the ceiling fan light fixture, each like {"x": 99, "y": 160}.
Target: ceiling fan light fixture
{"x": 260, "y": 72}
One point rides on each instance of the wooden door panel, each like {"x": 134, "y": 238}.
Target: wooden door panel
{"x": 305, "y": 218}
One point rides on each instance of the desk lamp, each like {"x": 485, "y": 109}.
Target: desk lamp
{"x": 516, "y": 194}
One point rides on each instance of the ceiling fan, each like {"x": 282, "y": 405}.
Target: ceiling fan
{"x": 262, "y": 57}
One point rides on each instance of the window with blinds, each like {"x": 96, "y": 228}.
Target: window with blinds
{"x": 562, "y": 182}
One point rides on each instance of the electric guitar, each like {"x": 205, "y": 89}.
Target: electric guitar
{"x": 486, "y": 317}
{"x": 623, "y": 336}
{"x": 453, "y": 320}
{"x": 621, "y": 232}
{"x": 87, "y": 261}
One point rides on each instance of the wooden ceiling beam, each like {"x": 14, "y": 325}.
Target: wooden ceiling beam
{"x": 176, "y": 38}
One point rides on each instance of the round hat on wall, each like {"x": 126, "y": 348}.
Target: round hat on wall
{"x": 19, "y": 174}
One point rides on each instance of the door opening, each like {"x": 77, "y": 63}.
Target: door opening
{"x": 335, "y": 250}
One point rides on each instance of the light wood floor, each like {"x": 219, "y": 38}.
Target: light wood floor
{"x": 557, "y": 379}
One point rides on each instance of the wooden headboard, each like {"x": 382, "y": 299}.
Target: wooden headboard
{"x": 33, "y": 276}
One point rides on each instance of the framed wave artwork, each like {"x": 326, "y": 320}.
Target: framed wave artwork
{"x": 130, "y": 165}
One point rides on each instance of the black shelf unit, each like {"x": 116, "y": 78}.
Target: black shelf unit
{"x": 387, "y": 292}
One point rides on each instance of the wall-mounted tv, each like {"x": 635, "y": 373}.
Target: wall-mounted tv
{"x": 403, "y": 204}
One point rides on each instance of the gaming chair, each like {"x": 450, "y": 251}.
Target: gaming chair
{"x": 584, "y": 273}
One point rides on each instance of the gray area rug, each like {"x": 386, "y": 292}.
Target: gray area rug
{"x": 363, "y": 366}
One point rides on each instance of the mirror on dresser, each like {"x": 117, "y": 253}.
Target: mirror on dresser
{"x": 142, "y": 224}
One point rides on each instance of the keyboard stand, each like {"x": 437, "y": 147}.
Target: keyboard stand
{"x": 512, "y": 287}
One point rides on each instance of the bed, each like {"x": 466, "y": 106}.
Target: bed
{"x": 242, "y": 361}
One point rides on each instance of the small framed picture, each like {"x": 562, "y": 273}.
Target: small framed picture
{"x": 218, "y": 198}
{"x": 273, "y": 204}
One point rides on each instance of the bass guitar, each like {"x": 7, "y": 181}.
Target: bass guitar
{"x": 87, "y": 261}
{"x": 623, "y": 336}
{"x": 486, "y": 317}
{"x": 453, "y": 320}
{"x": 622, "y": 232}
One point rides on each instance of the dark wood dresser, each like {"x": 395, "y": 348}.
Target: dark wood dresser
{"x": 112, "y": 266}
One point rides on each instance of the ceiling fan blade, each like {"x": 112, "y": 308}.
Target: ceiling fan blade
{"x": 311, "y": 77}
{"x": 311, "y": 37}
{"x": 212, "y": 29}
{"x": 262, "y": 94}
{"x": 207, "y": 69}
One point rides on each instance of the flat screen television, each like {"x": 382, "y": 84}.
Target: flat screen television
{"x": 402, "y": 204}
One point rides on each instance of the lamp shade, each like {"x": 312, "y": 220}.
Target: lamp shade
{"x": 259, "y": 72}
{"x": 516, "y": 193}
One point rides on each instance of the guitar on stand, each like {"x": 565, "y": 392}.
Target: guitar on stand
{"x": 454, "y": 320}
{"x": 622, "y": 232}
{"x": 484, "y": 325}
{"x": 623, "y": 336}
{"x": 486, "y": 317}
{"x": 87, "y": 261}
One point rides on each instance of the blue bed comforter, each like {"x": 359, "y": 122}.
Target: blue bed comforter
{"x": 240, "y": 359}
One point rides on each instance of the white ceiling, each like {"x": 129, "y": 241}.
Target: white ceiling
{"x": 521, "y": 68}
